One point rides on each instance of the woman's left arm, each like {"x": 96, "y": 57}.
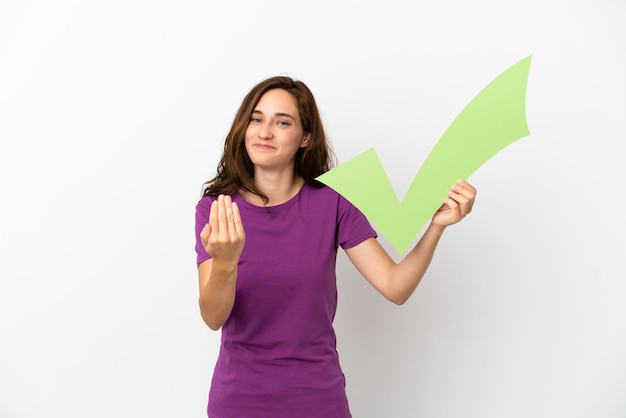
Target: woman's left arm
{"x": 397, "y": 281}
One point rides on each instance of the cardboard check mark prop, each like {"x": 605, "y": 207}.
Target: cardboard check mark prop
{"x": 495, "y": 118}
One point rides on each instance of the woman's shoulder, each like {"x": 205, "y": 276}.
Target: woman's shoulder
{"x": 321, "y": 191}
{"x": 206, "y": 200}
{"x": 326, "y": 196}
{"x": 204, "y": 205}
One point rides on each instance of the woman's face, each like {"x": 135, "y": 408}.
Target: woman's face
{"x": 275, "y": 131}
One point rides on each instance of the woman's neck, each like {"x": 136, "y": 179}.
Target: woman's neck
{"x": 278, "y": 188}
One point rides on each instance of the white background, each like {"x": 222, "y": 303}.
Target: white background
{"x": 112, "y": 115}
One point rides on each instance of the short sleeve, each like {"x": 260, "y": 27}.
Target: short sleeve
{"x": 352, "y": 226}
{"x": 203, "y": 208}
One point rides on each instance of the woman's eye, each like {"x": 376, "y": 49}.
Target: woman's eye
{"x": 283, "y": 123}
{"x": 255, "y": 120}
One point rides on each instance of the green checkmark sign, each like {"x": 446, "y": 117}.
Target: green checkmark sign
{"x": 495, "y": 118}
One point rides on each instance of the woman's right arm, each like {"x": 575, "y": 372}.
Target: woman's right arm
{"x": 223, "y": 237}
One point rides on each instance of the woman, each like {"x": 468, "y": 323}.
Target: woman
{"x": 267, "y": 237}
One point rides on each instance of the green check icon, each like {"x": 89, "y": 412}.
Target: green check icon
{"x": 495, "y": 118}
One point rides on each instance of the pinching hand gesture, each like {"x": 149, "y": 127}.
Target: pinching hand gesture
{"x": 223, "y": 237}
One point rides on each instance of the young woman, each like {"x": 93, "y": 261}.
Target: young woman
{"x": 267, "y": 236}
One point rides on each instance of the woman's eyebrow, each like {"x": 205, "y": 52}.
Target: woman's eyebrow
{"x": 281, "y": 114}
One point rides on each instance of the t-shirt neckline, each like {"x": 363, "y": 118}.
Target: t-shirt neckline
{"x": 241, "y": 201}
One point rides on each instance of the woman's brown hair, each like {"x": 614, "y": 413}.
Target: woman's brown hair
{"x": 235, "y": 170}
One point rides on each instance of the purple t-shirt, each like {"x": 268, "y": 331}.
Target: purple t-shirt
{"x": 278, "y": 354}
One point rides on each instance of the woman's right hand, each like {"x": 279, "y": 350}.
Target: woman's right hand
{"x": 223, "y": 237}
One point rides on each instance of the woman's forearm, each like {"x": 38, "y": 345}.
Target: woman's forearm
{"x": 408, "y": 273}
{"x": 217, "y": 292}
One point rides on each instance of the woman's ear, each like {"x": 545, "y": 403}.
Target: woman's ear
{"x": 305, "y": 140}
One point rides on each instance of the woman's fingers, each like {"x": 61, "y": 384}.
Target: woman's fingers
{"x": 459, "y": 203}
{"x": 222, "y": 214}
{"x": 237, "y": 224}
{"x": 464, "y": 194}
{"x": 454, "y": 209}
{"x": 225, "y": 234}
{"x": 232, "y": 220}
{"x": 462, "y": 201}
{"x": 466, "y": 187}
{"x": 204, "y": 234}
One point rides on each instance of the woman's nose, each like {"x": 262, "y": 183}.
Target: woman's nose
{"x": 265, "y": 131}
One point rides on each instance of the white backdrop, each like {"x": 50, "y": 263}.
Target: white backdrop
{"x": 112, "y": 115}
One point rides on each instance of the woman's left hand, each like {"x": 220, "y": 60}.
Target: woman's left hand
{"x": 459, "y": 203}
